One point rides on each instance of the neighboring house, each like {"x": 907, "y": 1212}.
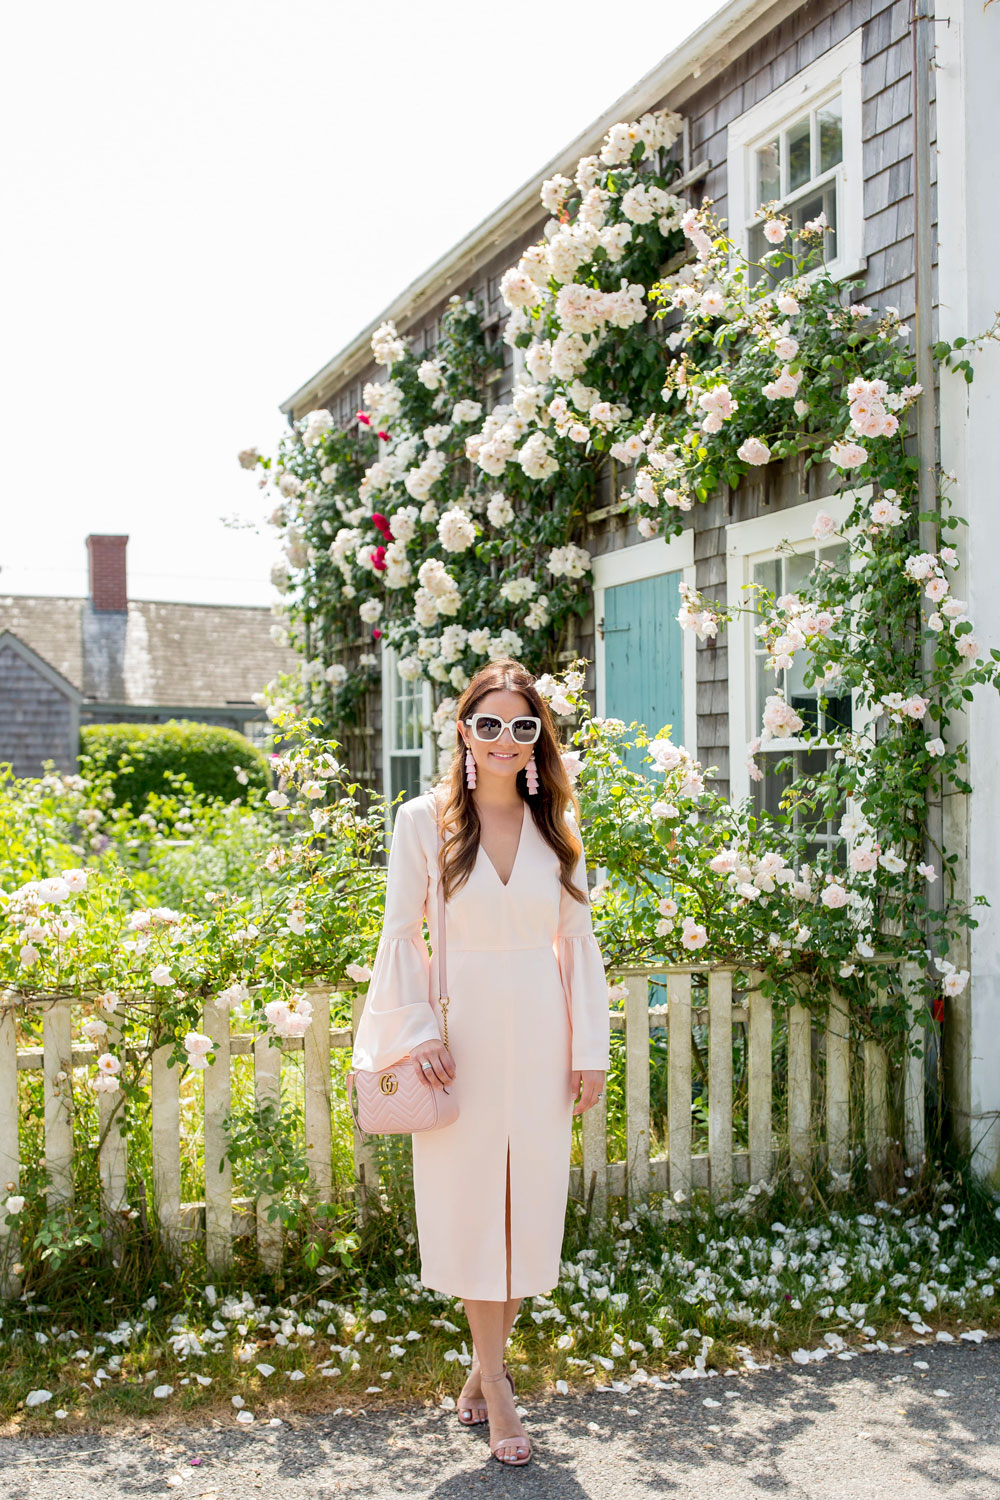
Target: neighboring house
{"x": 111, "y": 659}
{"x": 812, "y": 104}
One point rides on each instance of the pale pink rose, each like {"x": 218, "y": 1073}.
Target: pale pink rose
{"x": 936, "y": 746}
{"x": 712, "y": 422}
{"x": 783, "y": 386}
{"x": 573, "y": 763}
{"x": 862, "y": 860}
{"x": 915, "y": 707}
{"x": 724, "y": 863}
{"x": 936, "y": 589}
{"x": 885, "y": 513}
{"x": 921, "y": 565}
{"x": 753, "y": 451}
{"x": 667, "y": 907}
{"x": 786, "y": 348}
{"x": 834, "y": 896}
{"x": 824, "y": 526}
{"x": 779, "y": 718}
{"x": 928, "y": 872}
{"x": 801, "y": 408}
{"x": 787, "y": 304}
{"x": 693, "y": 935}
{"x": 108, "y": 1063}
{"x": 954, "y": 983}
{"x": 969, "y": 647}
{"x": 847, "y": 455}
{"x": 774, "y": 231}
{"x": 949, "y": 556}
{"x": 360, "y": 973}
{"x": 197, "y": 1046}
{"x": 935, "y": 622}
{"x": 954, "y": 608}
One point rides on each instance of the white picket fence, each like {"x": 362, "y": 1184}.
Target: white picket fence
{"x": 219, "y": 1219}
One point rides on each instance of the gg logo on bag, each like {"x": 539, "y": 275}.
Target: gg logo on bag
{"x": 387, "y": 1083}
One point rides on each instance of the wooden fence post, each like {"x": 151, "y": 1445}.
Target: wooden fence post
{"x": 267, "y": 1091}
{"x": 637, "y": 1086}
{"x": 316, "y": 1069}
{"x": 679, "y": 1082}
{"x": 218, "y": 1168}
{"x": 720, "y": 1082}
{"x": 876, "y": 1105}
{"x": 759, "y": 1092}
{"x": 166, "y": 1146}
{"x": 366, "y": 1185}
{"x": 838, "y": 1084}
{"x": 799, "y": 1086}
{"x": 594, "y": 1128}
{"x": 10, "y": 1152}
{"x": 914, "y": 1126}
{"x": 57, "y": 1063}
{"x": 113, "y": 1153}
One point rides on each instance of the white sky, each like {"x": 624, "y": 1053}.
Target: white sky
{"x": 205, "y": 201}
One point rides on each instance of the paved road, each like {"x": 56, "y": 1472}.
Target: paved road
{"x": 875, "y": 1427}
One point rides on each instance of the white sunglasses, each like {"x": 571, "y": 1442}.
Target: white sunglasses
{"x": 524, "y": 730}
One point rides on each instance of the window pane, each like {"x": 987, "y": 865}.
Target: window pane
{"x": 830, "y": 129}
{"x": 767, "y": 793}
{"x": 799, "y": 156}
{"x": 768, "y": 172}
{"x": 823, "y": 200}
{"x": 798, "y": 567}
{"x": 768, "y": 574}
{"x": 404, "y": 775}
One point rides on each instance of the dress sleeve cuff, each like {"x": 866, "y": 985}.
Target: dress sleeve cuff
{"x": 586, "y": 991}
{"x": 398, "y": 1014}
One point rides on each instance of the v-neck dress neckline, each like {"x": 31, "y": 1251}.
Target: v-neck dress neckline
{"x": 525, "y": 814}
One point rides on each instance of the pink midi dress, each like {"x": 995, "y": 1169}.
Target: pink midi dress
{"x": 528, "y": 1006}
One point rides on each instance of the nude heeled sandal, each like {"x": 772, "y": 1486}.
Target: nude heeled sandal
{"x": 514, "y": 1463}
{"x": 468, "y": 1421}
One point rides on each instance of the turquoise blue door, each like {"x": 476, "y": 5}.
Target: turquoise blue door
{"x": 643, "y": 650}
{"x": 643, "y": 675}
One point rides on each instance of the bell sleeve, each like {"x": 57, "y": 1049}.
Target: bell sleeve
{"x": 398, "y": 1015}
{"x": 584, "y": 984}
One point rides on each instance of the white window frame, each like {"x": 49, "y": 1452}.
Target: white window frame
{"x": 747, "y": 543}
{"x": 425, "y": 754}
{"x": 631, "y": 565}
{"x": 837, "y": 70}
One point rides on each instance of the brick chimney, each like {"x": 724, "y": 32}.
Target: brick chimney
{"x": 108, "y": 589}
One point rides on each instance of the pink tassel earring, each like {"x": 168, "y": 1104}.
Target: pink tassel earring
{"x": 531, "y": 776}
{"x": 470, "y": 770}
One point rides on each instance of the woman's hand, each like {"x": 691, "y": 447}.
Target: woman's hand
{"x": 442, "y": 1064}
{"x": 587, "y": 1086}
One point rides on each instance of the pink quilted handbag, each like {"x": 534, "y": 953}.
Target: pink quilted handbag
{"x": 396, "y": 1100}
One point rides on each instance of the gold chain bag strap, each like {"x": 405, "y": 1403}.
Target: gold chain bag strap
{"x": 398, "y": 1100}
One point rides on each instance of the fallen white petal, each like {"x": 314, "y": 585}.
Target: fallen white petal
{"x": 37, "y": 1398}
{"x": 264, "y": 1370}
{"x": 163, "y": 1390}
{"x": 244, "y": 1416}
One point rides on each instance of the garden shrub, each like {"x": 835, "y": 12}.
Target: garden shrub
{"x": 207, "y": 755}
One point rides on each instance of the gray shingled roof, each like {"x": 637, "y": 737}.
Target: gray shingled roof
{"x": 155, "y": 653}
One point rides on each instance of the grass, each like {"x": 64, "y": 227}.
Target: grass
{"x": 673, "y": 1291}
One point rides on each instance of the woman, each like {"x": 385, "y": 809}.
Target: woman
{"x": 527, "y": 1019}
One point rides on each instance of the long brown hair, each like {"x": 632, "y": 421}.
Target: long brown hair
{"x": 459, "y": 818}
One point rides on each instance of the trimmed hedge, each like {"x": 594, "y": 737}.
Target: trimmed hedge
{"x": 205, "y": 754}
